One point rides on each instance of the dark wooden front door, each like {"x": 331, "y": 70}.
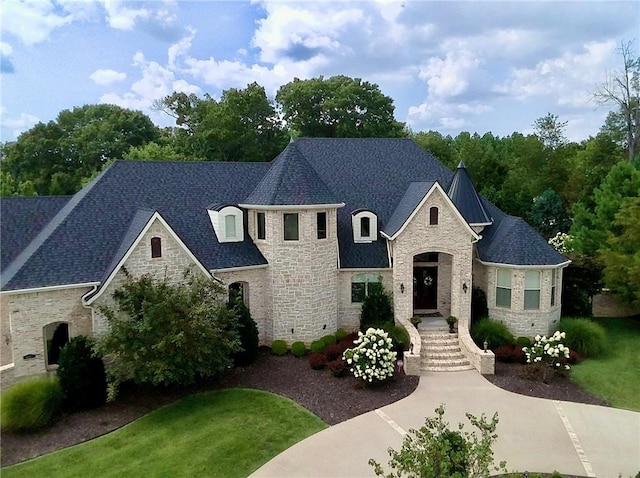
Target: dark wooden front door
{"x": 425, "y": 287}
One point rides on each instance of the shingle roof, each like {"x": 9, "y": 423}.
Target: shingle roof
{"x": 291, "y": 181}
{"x": 21, "y": 219}
{"x": 464, "y": 195}
{"x": 412, "y": 197}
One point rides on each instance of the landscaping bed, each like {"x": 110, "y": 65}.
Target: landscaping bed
{"x": 332, "y": 399}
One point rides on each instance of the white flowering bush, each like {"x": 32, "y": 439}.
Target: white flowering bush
{"x": 372, "y": 358}
{"x": 561, "y": 242}
{"x": 549, "y": 352}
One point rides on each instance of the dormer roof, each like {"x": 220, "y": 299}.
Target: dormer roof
{"x": 464, "y": 195}
{"x": 291, "y": 181}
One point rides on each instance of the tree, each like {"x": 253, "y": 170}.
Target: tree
{"x": 621, "y": 253}
{"x": 162, "y": 334}
{"x": 153, "y": 151}
{"x": 242, "y": 126}
{"x": 377, "y": 308}
{"x": 622, "y": 89}
{"x": 440, "y": 146}
{"x": 550, "y": 130}
{"x": 247, "y": 332}
{"x": 436, "y": 451}
{"x": 548, "y": 215}
{"x": 338, "y": 107}
{"x": 56, "y": 156}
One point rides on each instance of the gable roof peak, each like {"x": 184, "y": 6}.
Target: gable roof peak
{"x": 461, "y": 165}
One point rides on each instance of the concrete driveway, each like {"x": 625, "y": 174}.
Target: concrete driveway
{"x": 534, "y": 434}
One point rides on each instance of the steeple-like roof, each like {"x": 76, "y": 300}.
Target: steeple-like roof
{"x": 291, "y": 181}
{"x": 464, "y": 195}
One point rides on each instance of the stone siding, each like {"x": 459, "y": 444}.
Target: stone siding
{"x": 28, "y": 314}
{"x": 349, "y": 312}
{"x": 6, "y": 353}
{"x": 521, "y": 322}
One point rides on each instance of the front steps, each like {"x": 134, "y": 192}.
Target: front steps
{"x": 440, "y": 351}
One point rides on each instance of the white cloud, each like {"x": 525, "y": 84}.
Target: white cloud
{"x": 107, "y": 77}
{"x": 17, "y": 125}
{"x": 32, "y": 21}
{"x": 450, "y": 76}
{"x": 441, "y": 115}
{"x": 122, "y": 17}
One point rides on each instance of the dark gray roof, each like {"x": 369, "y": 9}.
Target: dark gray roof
{"x": 88, "y": 234}
{"x": 464, "y": 195}
{"x": 21, "y": 219}
{"x": 291, "y": 181}
{"x": 412, "y": 197}
{"x": 510, "y": 240}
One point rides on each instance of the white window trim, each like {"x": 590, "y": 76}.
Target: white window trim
{"x": 356, "y": 220}
{"x": 219, "y": 223}
{"x": 510, "y": 288}
{"x": 525, "y": 289}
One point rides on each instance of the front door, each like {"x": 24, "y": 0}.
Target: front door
{"x": 425, "y": 287}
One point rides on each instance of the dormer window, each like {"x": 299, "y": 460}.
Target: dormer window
{"x": 227, "y": 223}
{"x": 365, "y": 226}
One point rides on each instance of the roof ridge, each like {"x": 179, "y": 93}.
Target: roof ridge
{"x": 46, "y": 232}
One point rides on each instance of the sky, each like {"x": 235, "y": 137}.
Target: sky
{"x": 449, "y": 66}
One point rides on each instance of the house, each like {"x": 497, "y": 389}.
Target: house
{"x": 301, "y": 239}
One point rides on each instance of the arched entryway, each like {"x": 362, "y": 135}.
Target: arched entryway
{"x": 432, "y": 284}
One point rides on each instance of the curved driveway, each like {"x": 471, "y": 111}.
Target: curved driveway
{"x": 534, "y": 434}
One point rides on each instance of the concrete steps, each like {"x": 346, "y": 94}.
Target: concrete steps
{"x": 441, "y": 351}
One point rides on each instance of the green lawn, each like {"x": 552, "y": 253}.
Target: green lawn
{"x": 226, "y": 433}
{"x": 616, "y": 375}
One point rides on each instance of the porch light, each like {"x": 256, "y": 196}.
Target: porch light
{"x": 402, "y": 288}
{"x": 464, "y": 287}
{"x": 486, "y": 344}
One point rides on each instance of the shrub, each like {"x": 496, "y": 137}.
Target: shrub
{"x": 317, "y": 347}
{"x": 332, "y": 352}
{"x": 523, "y": 342}
{"x": 548, "y": 351}
{"x": 377, "y": 309}
{"x": 479, "y": 308}
{"x": 584, "y": 336}
{"x": 372, "y": 358}
{"x": 337, "y": 367}
{"x": 317, "y": 361}
{"x": 247, "y": 332}
{"x": 399, "y": 337}
{"x": 340, "y": 334}
{"x": 510, "y": 354}
{"x": 31, "y": 404}
{"x": 299, "y": 349}
{"x": 81, "y": 375}
{"x": 493, "y": 332}
{"x": 329, "y": 339}
{"x": 279, "y": 347}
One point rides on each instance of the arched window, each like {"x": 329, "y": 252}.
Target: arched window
{"x": 56, "y": 336}
{"x": 433, "y": 216}
{"x": 365, "y": 226}
{"x": 156, "y": 247}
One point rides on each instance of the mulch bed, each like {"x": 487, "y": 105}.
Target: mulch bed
{"x": 332, "y": 399}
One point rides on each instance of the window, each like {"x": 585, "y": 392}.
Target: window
{"x": 554, "y": 279}
{"x": 291, "y": 232}
{"x": 503, "y": 288}
{"x": 261, "y": 225}
{"x": 364, "y": 284}
{"x": 56, "y": 336}
{"x": 156, "y": 247}
{"x": 532, "y": 290}
{"x": 321, "y": 220}
{"x": 433, "y": 216}
{"x": 365, "y": 226}
{"x": 238, "y": 292}
{"x": 230, "y": 227}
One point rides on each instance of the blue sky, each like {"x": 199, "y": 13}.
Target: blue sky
{"x": 449, "y": 66}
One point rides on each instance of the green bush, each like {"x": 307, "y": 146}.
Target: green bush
{"x": 329, "y": 340}
{"x": 31, "y": 405}
{"x": 317, "y": 346}
{"x": 585, "y": 337}
{"x": 299, "y": 349}
{"x": 493, "y": 332}
{"x": 248, "y": 333}
{"x": 340, "y": 334}
{"x": 479, "y": 308}
{"x": 279, "y": 347}
{"x": 81, "y": 375}
{"x": 523, "y": 342}
{"x": 377, "y": 309}
{"x": 399, "y": 336}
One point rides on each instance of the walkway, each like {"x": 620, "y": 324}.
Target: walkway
{"x": 534, "y": 434}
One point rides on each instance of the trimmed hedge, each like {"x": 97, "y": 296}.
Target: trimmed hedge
{"x": 338, "y": 367}
{"x": 493, "y": 332}
{"x": 333, "y": 352}
{"x": 299, "y": 349}
{"x": 340, "y": 334}
{"x": 586, "y": 337}
{"x": 31, "y": 405}
{"x": 399, "y": 336}
{"x": 317, "y": 346}
{"x": 317, "y": 361}
{"x": 279, "y": 347}
{"x": 329, "y": 339}
{"x": 523, "y": 342}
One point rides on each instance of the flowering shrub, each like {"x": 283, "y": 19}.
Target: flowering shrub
{"x": 372, "y": 357}
{"x": 549, "y": 351}
{"x": 561, "y": 242}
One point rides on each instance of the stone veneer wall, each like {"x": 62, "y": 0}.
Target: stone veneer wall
{"x": 349, "y": 312}
{"x": 521, "y": 322}
{"x": 172, "y": 265}
{"x": 302, "y": 276}
{"x": 6, "y": 354}
{"x": 28, "y": 314}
